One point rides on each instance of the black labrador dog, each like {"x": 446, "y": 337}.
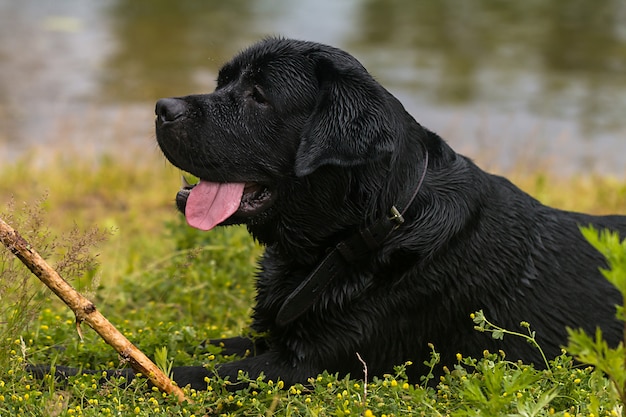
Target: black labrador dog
{"x": 380, "y": 239}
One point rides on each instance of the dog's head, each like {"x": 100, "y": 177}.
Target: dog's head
{"x": 283, "y": 112}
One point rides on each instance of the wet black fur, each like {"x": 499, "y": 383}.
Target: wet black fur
{"x": 337, "y": 150}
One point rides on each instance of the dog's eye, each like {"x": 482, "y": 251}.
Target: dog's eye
{"x": 258, "y": 96}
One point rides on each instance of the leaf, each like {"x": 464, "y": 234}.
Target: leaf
{"x": 608, "y": 243}
{"x": 497, "y": 334}
{"x": 596, "y": 352}
{"x": 532, "y": 408}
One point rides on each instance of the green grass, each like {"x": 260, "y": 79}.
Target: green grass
{"x": 167, "y": 287}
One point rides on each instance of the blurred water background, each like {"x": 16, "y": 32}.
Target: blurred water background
{"x": 532, "y": 84}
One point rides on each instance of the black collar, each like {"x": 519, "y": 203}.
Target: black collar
{"x": 350, "y": 251}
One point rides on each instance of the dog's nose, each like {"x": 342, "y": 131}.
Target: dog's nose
{"x": 170, "y": 109}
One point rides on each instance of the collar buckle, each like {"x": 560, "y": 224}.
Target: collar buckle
{"x": 396, "y": 217}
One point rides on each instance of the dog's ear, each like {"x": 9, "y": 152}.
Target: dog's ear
{"x": 352, "y": 121}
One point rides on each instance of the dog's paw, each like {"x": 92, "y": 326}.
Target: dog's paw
{"x": 59, "y": 372}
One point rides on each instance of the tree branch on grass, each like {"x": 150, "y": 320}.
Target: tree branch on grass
{"x": 85, "y": 310}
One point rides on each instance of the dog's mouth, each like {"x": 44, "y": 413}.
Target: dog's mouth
{"x": 207, "y": 204}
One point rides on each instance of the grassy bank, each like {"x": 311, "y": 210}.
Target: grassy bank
{"x": 168, "y": 287}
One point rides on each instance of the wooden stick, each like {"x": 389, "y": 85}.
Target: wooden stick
{"x": 85, "y": 310}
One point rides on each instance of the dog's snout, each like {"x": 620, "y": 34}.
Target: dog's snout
{"x": 170, "y": 109}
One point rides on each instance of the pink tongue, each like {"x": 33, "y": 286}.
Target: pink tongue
{"x": 210, "y": 203}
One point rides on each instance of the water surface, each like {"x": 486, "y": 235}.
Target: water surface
{"x": 524, "y": 83}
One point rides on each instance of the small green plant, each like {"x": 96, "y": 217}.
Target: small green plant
{"x": 497, "y": 332}
{"x": 163, "y": 362}
{"x": 594, "y": 350}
